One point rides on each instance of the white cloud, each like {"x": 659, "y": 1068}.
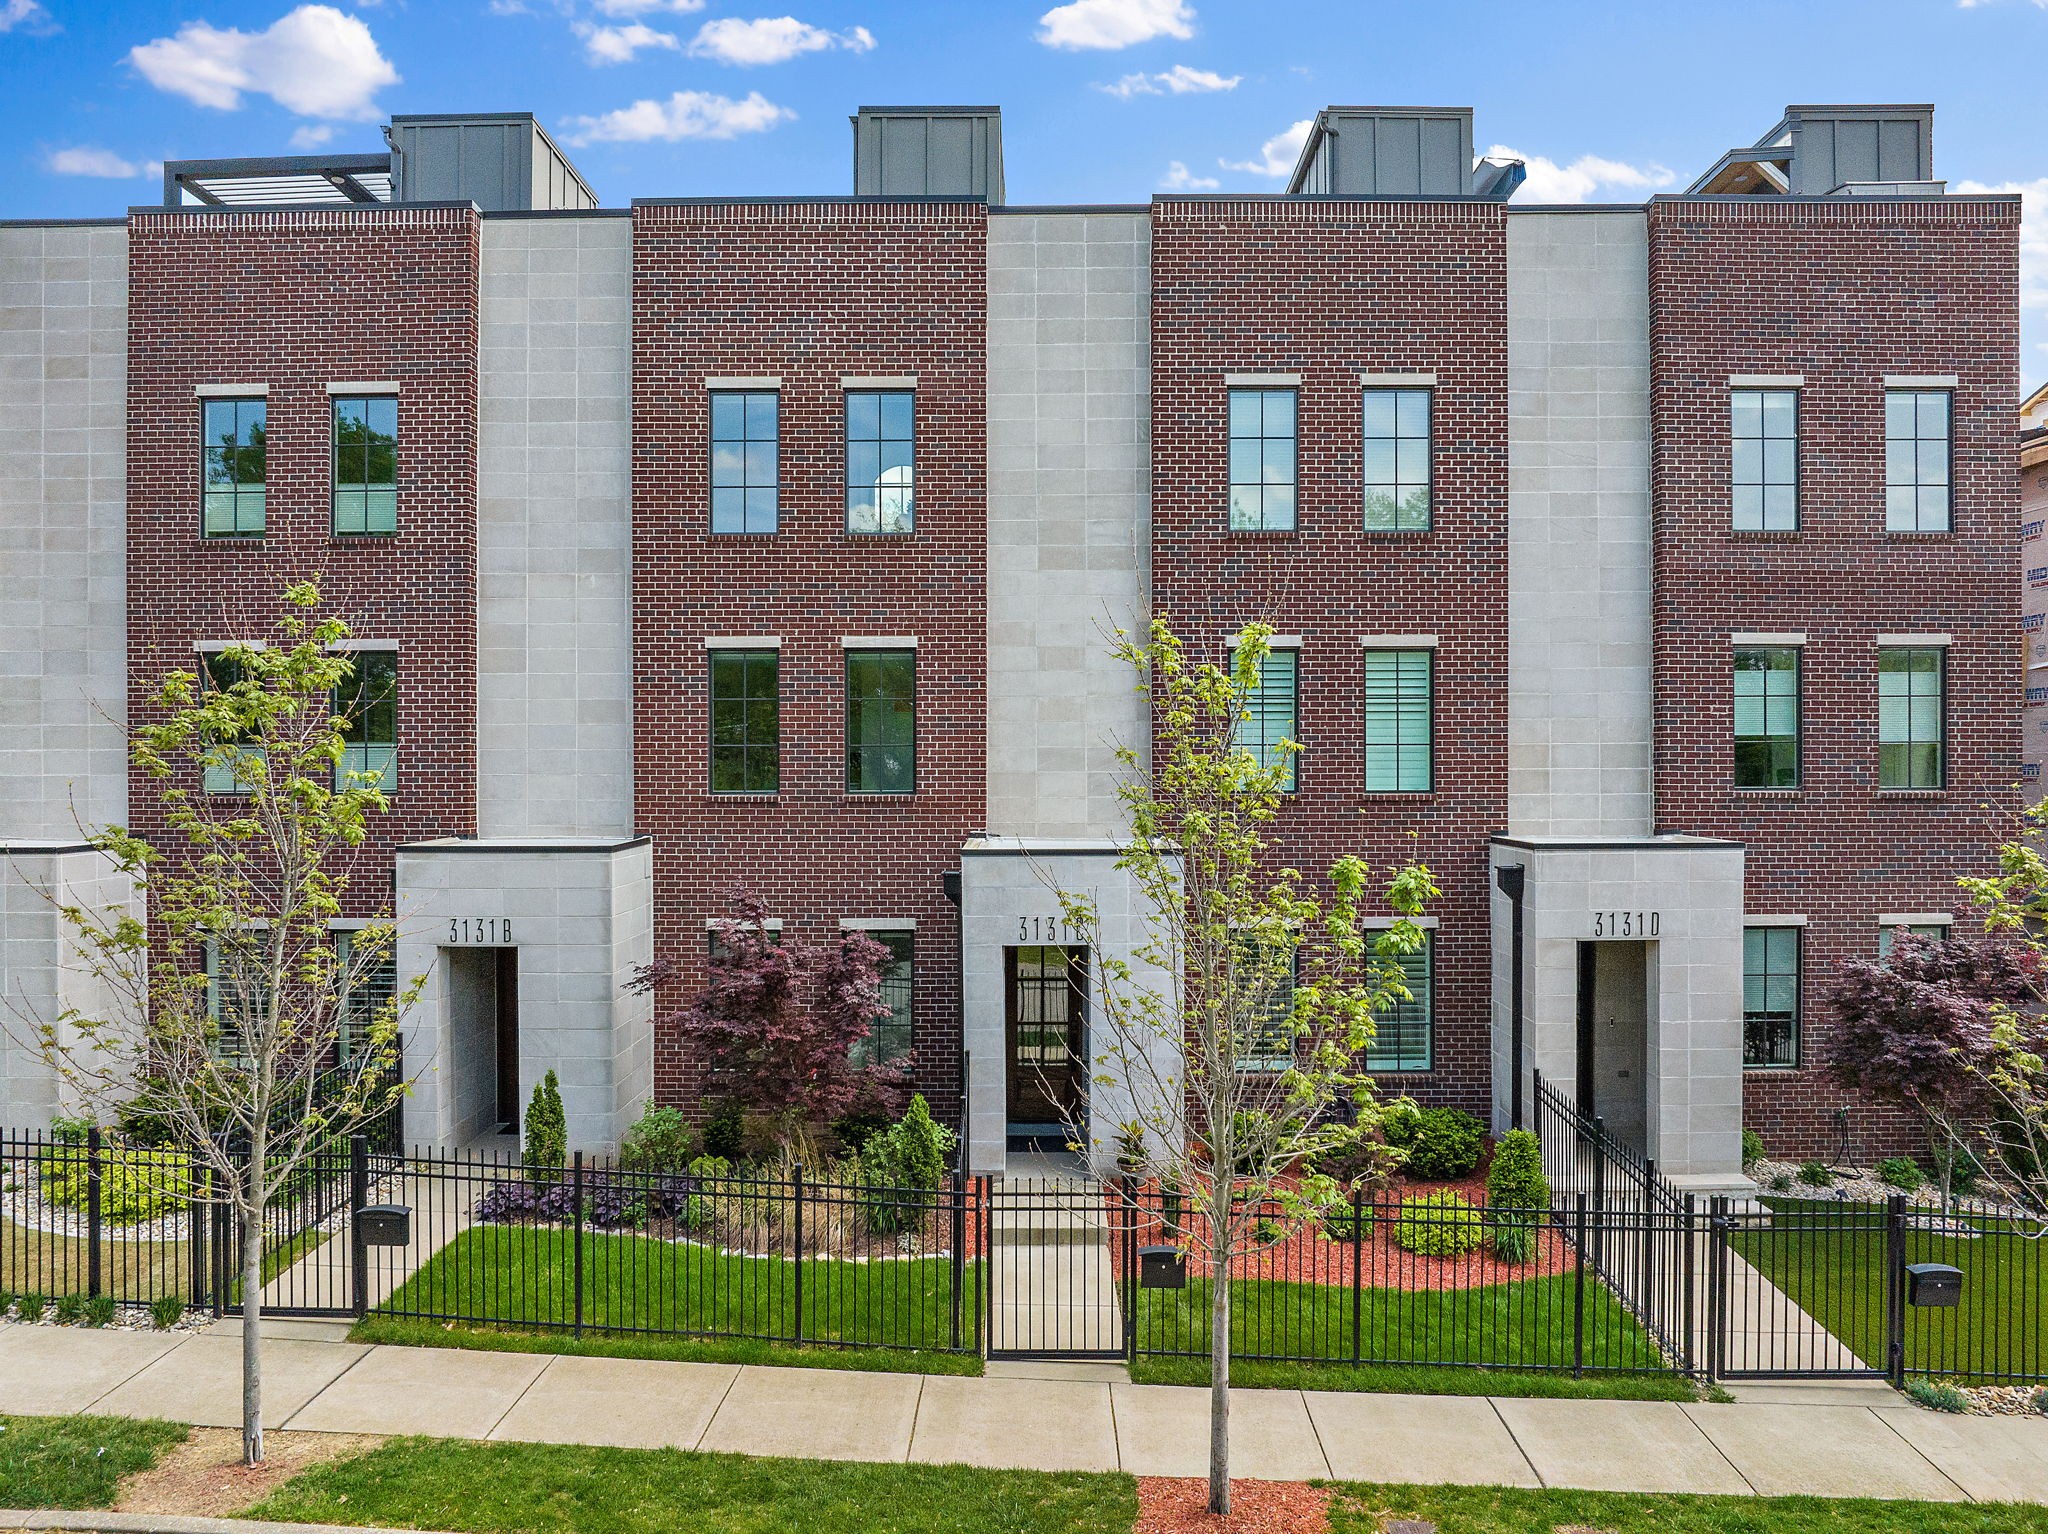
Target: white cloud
{"x": 1177, "y": 81}
{"x": 686, "y": 114}
{"x": 1115, "y": 23}
{"x": 26, "y": 14}
{"x": 771, "y": 40}
{"x": 617, "y": 45}
{"x": 316, "y": 61}
{"x": 643, "y": 7}
{"x": 2033, "y": 235}
{"x": 312, "y": 135}
{"x": 86, "y": 161}
{"x": 1179, "y": 178}
{"x": 1549, "y": 181}
{"x": 1278, "y": 154}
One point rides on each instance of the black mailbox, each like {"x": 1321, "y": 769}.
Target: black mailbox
{"x": 1933, "y": 1283}
{"x": 384, "y": 1225}
{"x": 1162, "y": 1267}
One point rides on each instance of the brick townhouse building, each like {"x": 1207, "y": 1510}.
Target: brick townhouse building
{"x": 1644, "y": 569}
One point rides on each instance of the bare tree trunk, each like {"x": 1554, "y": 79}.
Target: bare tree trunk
{"x": 252, "y": 1316}
{"x": 1219, "y": 1351}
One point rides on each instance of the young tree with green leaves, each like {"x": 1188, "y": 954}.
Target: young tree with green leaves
{"x": 1238, "y": 1024}
{"x": 234, "y": 1019}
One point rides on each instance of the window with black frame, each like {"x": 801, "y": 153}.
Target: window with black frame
{"x": 881, "y": 461}
{"x": 1770, "y": 996}
{"x": 234, "y": 437}
{"x": 225, "y": 771}
{"x": 1911, "y": 727}
{"x": 1764, "y": 477}
{"x": 1268, "y": 714}
{"x": 1917, "y": 453}
{"x": 366, "y": 703}
{"x": 746, "y": 722}
{"x": 237, "y": 992}
{"x": 881, "y": 721}
{"x": 1404, "y": 1035}
{"x": 890, "y": 1038}
{"x": 365, "y": 996}
{"x": 1263, "y": 453}
{"x": 1397, "y": 432}
{"x": 365, "y": 465}
{"x": 1767, "y": 716}
{"x": 745, "y": 468}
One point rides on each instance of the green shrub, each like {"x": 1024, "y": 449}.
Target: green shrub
{"x": 662, "y": 1141}
{"x": 166, "y": 1311}
{"x": 725, "y": 1131}
{"x": 70, "y": 1309}
{"x": 1399, "y": 1121}
{"x": 1779, "y": 1182}
{"x": 1901, "y": 1172}
{"x": 135, "y": 1185}
{"x": 1936, "y": 1395}
{"x": 68, "y": 1130}
{"x": 1265, "y": 1233}
{"x": 1815, "y": 1174}
{"x": 702, "y": 1205}
{"x": 1446, "y": 1144}
{"x": 908, "y": 1157}
{"x": 1350, "y": 1221}
{"x": 2040, "y": 1401}
{"x": 99, "y": 1310}
{"x": 1514, "y": 1239}
{"x": 1437, "y": 1225}
{"x": 1752, "y": 1147}
{"x": 547, "y": 1131}
{"x": 1515, "y": 1180}
{"x": 30, "y": 1307}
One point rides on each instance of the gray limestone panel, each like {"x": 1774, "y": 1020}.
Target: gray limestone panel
{"x": 1069, "y": 513}
{"x": 63, "y": 540}
{"x": 1579, "y": 548}
{"x": 1010, "y": 897}
{"x": 579, "y": 911}
{"x": 554, "y": 511}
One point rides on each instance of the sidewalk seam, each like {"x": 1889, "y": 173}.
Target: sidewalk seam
{"x": 513, "y": 1405}
{"x": 1316, "y": 1433}
{"x": 124, "y": 1379}
{"x": 718, "y": 1406}
{"x": 316, "y": 1395}
{"x": 1921, "y": 1454}
{"x": 1493, "y": 1405}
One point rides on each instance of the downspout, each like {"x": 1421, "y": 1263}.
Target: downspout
{"x": 1509, "y": 878}
{"x": 949, "y": 881}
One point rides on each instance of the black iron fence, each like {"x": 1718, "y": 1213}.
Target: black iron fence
{"x": 595, "y": 1249}
{"x": 1620, "y": 1275}
{"x": 1383, "y": 1281}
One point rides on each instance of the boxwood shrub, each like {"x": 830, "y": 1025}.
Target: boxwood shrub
{"x": 1438, "y": 1225}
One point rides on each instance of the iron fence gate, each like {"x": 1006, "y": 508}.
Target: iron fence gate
{"x": 1057, "y": 1252}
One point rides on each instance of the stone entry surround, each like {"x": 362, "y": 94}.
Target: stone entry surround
{"x": 1574, "y": 887}
{"x": 580, "y": 911}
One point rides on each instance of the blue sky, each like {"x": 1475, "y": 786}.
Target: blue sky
{"x": 1103, "y": 100}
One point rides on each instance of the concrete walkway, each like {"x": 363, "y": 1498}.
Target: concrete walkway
{"x": 1052, "y": 1417}
{"x": 1052, "y": 1285}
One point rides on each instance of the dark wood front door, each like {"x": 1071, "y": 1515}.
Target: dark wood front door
{"x": 1048, "y": 993}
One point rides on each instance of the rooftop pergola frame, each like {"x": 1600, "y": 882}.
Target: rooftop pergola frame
{"x": 328, "y": 179}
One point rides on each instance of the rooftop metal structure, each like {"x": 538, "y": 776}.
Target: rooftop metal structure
{"x": 285, "y": 179}
{"x": 1398, "y": 152}
{"x": 1818, "y": 151}
{"x": 501, "y": 161}
{"x": 928, "y": 152}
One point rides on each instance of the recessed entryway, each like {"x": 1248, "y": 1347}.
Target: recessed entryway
{"x": 483, "y": 1006}
{"x": 1045, "y": 1026}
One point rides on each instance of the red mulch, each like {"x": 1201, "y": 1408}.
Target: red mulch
{"x": 1171, "y": 1505}
{"x": 1311, "y": 1257}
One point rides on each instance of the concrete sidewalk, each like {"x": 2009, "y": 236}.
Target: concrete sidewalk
{"x": 1045, "y": 1418}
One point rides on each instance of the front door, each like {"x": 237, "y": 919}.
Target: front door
{"x": 1045, "y": 1025}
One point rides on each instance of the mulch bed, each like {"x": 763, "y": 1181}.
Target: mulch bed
{"x": 1311, "y": 1257}
{"x": 1172, "y": 1505}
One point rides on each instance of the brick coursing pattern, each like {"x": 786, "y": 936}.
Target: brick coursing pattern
{"x": 810, "y": 292}
{"x": 295, "y": 301}
{"x": 1843, "y": 292}
{"x": 1330, "y": 290}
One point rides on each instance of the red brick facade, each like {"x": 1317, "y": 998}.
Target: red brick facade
{"x": 1843, "y": 292}
{"x": 296, "y": 301}
{"x": 810, "y": 293}
{"x": 1329, "y": 290}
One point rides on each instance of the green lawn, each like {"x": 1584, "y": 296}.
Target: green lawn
{"x": 1522, "y": 1328}
{"x": 522, "y": 1277}
{"x": 1488, "y": 1510}
{"x": 548, "y": 1489}
{"x": 76, "y": 1461}
{"x": 1838, "y": 1277}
